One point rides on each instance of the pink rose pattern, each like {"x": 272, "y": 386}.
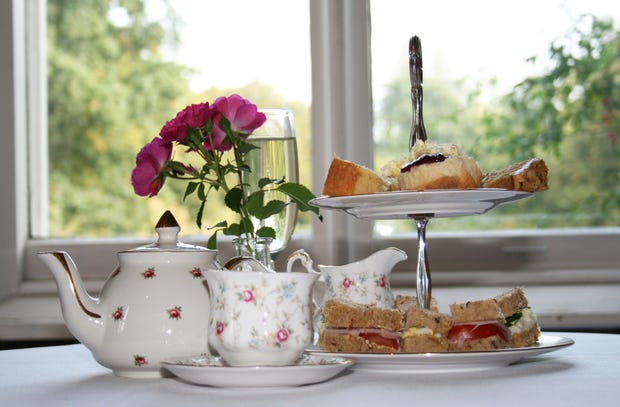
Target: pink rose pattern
{"x": 247, "y": 295}
{"x": 139, "y": 360}
{"x": 175, "y": 312}
{"x": 149, "y": 273}
{"x": 369, "y": 288}
{"x": 118, "y": 314}
{"x": 282, "y": 335}
{"x": 287, "y": 301}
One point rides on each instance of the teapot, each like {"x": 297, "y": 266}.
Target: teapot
{"x": 365, "y": 281}
{"x": 154, "y": 305}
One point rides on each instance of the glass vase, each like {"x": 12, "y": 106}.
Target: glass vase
{"x": 255, "y": 247}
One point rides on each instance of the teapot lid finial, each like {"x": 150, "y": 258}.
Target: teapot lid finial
{"x": 167, "y": 220}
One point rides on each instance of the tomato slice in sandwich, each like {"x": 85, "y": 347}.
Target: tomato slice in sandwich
{"x": 380, "y": 339}
{"x": 469, "y": 331}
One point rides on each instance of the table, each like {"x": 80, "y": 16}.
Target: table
{"x": 587, "y": 373}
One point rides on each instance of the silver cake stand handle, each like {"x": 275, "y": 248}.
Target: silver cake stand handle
{"x": 418, "y": 131}
{"x": 423, "y": 272}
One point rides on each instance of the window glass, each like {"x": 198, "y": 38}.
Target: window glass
{"x": 507, "y": 82}
{"x": 117, "y": 71}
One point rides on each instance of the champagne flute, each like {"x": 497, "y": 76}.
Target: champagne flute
{"x": 276, "y": 158}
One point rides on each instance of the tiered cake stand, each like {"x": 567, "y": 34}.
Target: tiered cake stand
{"x": 421, "y": 206}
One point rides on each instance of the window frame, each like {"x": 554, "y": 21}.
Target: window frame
{"x": 341, "y": 124}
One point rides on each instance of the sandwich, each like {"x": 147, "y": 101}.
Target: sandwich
{"x": 426, "y": 330}
{"x": 355, "y": 328}
{"x": 404, "y": 302}
{"x": 478, "y": 326}
{"x": 520, "y": 319}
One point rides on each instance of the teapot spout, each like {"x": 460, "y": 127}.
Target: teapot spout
{"x": 80, "y": 311}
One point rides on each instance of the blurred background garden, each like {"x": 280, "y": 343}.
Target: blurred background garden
{"x": 113, "y": 81}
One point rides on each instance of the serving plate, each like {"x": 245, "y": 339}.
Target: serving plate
{"x": 451, "y": 362}
{"x": 212, "y": 371}
{"x": 437, "y": 203}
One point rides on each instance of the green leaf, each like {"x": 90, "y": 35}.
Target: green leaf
{"x": 266, "y": 231}
{"x": 201, "y": 192}
{"x": 212, "y": 242}
{"x": 191, "y": 187}
{"x": 221, "y": 224}
{"x": 194, "y": 139}
{"x": 224, "y": 124}
{"x": 263, "y": 182}
{"x": 234, "y": 229}
{"x": 272, "y": 208}
{"x": 177, "y": 167}
{"x": 301, "y": 196}
{"x": 233, "y": 199}
{"x": 254, "y": 203}
{"x": 247, "y": 226}
{"x": 245, "y": 147}
{"x": 199, "y": 214}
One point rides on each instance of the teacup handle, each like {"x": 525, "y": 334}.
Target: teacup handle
{"x": 303, "y": 257}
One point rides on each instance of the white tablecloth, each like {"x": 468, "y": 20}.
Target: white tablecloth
{"x": 587, "y": 373}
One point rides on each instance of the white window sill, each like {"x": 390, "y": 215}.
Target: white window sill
{"x": 34, "y": 312}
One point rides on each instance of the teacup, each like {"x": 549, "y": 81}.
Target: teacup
{"x": 260, "y": 318}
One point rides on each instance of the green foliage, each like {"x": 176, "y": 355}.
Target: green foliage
{"x": 569, "y": 116}
{"x": 108, "y": 88}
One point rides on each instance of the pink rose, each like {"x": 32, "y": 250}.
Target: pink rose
{"x": 150, "y": 160}
{"x": 282, "y": 335}
{"x": 346, "y": 283}
{"x": 219, "y": 328}
{"x": 218, "y": 140}
{"x": 197, "y": 115}
{"x": 381, "y": 281}
{"x": 193, "y": 116}
{"x": 242, "y": 114}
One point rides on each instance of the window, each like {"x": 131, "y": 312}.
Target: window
{"x": 341, "y": 123}
{"x": 504, "y": 93}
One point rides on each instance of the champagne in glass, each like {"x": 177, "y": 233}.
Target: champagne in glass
{"x": 276, "y": 158}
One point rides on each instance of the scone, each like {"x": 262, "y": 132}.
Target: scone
{"x": 348, "y": 178}
{"x": 434, "y": 166}
{"x": 529, "y": 175}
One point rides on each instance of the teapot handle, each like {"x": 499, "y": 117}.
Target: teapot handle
{"x": 303, "y": 257}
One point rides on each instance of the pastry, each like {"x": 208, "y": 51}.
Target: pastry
{"x": 529, "y": 175}
{"x": 348, "y": 178}
{"x": 433, "y": 166}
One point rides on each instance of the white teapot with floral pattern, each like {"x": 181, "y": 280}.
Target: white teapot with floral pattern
{"x": 154, "y": 306}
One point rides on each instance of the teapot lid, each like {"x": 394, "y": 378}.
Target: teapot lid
{"x": 168, "y": 230}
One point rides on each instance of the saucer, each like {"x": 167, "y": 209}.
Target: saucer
{"x": 211, "y": 370}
